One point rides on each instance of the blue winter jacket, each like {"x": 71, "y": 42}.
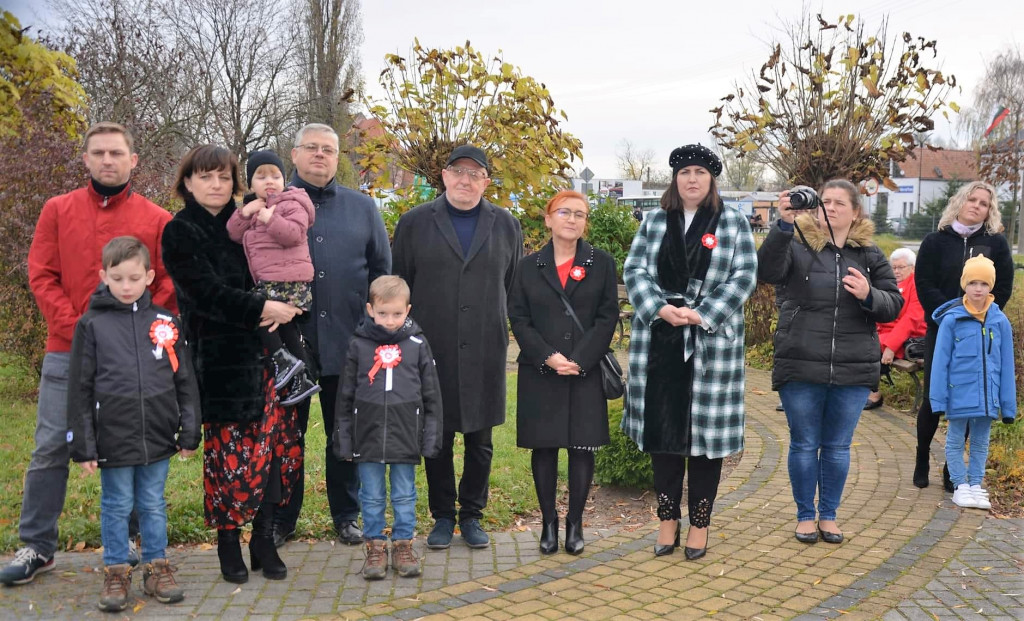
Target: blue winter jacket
{"x": 972, "y": 370}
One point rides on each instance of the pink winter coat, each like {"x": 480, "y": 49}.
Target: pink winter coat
{"x": 278, "y": 250}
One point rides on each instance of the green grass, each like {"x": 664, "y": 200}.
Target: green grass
{"x": 511, "y": 496}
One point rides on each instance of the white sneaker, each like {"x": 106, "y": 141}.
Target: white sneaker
{"x": 981, "y": 497}
{"x": 963, "y": 497}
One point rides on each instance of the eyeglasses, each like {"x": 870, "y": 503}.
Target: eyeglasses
{"x": 472, "y": 173}
{"x": 565, "y": 213}
{"x": 312, "y": 149}
{"x": 900, "y": 267}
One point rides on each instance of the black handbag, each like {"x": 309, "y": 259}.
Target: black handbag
{"x": 913, "y": 348}
{"x": 612, "y": 383}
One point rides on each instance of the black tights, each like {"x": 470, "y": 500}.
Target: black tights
{"x": 286, "y": 335}
{"x": 668, "y": 483}
{"x": 544, "y": 463}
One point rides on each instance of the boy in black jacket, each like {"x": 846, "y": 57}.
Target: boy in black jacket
{"x": 132, "y": 403}
{"x": 388, "y": 413}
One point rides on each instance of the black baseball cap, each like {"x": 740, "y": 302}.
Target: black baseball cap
{"x": 470, "y": 152}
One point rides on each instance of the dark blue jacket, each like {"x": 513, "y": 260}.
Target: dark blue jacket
{"x": 972, "y": 369}
{"x": 349, "y": 247}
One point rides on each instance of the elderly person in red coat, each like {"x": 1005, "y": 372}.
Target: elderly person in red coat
{"x": 908, "y": 324}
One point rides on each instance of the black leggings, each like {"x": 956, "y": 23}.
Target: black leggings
{"x": 927, "y": 421}
{"x": 286, "y": 335}
{"x": 544, "y": 463}
{"x": 668, "y": 483}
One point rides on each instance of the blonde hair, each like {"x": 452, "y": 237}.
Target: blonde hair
{"x": 994, "y": 221}
{"x": 387, "y": 288}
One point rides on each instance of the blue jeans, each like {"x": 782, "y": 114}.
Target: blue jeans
{"x": 46, "y": 480}
{"x": 143, "y": 487}
{"x": 373, "y": 497}
{"x": 980, "y": 427}
{"x": 822, "y": 419}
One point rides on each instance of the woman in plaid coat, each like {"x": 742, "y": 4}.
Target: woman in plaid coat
{"x": 690, "y": 269}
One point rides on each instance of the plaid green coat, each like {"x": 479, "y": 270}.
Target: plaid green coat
{"x": 716, "y": 414}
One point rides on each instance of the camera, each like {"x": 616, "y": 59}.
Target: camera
{"x": 802, "y": 197}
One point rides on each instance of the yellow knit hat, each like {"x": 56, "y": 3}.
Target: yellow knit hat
{"x": 978, "y": 268}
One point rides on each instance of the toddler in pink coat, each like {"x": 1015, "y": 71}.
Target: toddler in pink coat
{"x": 272, "y": 226}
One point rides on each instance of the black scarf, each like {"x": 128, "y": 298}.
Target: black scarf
{"x": 682, "y": 257}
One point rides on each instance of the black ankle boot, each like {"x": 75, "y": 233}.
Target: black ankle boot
{"x": 921, "y": 470}
{"x": 229, "y": 551}
{"x": 549, "y": 537}
{"x": 947, "y": 483}
{"x": 573, "y": 536}
{"x": 285, "y": 367}
{"x": 262, "y": 551}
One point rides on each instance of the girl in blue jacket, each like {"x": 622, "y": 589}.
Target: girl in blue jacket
{"x": 972, "y": 379}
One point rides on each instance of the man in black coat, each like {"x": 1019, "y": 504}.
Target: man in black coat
{"x": 349, "y": 247}
{"x": 458, "y": 253}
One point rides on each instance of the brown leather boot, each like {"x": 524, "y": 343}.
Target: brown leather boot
{"x": 158, "y": 581}
{"x": 376, "y": 565}
{"x": 404, "y": 559}
{"x": 117, "y": 581}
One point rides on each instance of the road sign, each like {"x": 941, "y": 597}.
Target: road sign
{"x": 587, "y": 174}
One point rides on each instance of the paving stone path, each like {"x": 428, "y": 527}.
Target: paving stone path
{"x": 910, "y": 554}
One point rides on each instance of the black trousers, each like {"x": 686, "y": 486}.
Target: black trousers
{"x": 342, "y": 476}
{"x": 927, "y": 421}
{"x": 544, "y": 464}
{"x": 668, "y": 483}
{"x": 476, "y": 477}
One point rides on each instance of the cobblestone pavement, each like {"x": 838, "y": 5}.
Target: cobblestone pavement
{"x": 909, "y": 554}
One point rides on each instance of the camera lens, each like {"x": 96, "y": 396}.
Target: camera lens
{"x": 803, "y": 197}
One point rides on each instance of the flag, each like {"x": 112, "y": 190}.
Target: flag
{"x": 1001, "y": 114}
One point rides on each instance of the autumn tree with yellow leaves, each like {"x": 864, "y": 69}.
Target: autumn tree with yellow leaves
{"x": 835, "y": 100}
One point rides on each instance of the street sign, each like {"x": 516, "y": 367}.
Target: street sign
{"x": 587, "y": 174}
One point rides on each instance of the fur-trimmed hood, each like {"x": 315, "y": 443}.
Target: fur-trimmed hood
{"x": 861, "y": 235}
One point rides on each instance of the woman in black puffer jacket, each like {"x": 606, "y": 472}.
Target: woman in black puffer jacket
{"x": 838, "y": 285}
{"x": 969, "y": 227}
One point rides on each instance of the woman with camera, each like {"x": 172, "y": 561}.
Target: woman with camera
{"x": 690, "y": 269}
{"x": 838, "y": 285}
{"x": 560, "y": 400}
{"x": 969, "y": 226}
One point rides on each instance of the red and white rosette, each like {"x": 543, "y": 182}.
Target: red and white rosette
{"x": 164, "y": 335}
{"x": 385, "y": 357}
{"x": 577, "y": 273}
{"x": 709, "y": 241}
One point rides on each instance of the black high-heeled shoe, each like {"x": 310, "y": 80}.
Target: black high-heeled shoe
{"x": 693, "y": 554}
{"x": 665, "y": 550}
{"x": 573, "y": 536}
{"x": 549, "y": 537}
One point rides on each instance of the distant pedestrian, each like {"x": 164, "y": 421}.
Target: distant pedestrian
{"x": 973, "y": 380}
{"x": 131, "y": 406}
{"x": 389, "y": 414}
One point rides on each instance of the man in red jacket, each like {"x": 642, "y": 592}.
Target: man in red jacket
{"x": 64, "y": 262}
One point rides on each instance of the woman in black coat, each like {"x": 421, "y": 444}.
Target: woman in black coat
{"x": 250, "y": 442}
{"x": 560, "y": 403}
{"x": 969, "y": 226}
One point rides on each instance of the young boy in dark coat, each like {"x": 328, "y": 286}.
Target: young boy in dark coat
{"x": 389, "y": 414}
{"x": 132, "y": 404}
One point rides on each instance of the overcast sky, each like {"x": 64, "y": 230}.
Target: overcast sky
{"x": 649, "y": 70}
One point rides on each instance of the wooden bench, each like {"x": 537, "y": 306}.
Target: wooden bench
{"x": 625, "y": 313}
{"x": 912, "y": 368}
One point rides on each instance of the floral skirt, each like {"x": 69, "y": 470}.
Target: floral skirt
{"x": 237, "y": 459}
